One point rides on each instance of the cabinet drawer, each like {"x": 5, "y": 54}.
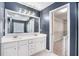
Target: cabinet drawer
{"x": 31, "y": 41}
{"x": 8, "y": 45}
{"x": 31, "y": 46}
{"x": 24, "y": 42}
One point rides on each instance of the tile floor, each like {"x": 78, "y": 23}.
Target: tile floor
{"x": 45, "y": 53}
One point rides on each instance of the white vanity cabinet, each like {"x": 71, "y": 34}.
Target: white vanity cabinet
{"x": 23, "y": 46}
{"x": 37, "y": 45}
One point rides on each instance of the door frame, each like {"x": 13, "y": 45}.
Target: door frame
{"x": 68, "y": 27}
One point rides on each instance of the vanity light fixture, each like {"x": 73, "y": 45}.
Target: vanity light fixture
{"x": 20, "y": 10}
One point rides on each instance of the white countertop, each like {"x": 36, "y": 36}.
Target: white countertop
{"x": 10, "y": 38}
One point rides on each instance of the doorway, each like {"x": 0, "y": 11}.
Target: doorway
{"x": 60, "y": 31}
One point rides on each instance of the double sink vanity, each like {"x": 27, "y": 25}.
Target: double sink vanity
{"x": 22, "y": 44}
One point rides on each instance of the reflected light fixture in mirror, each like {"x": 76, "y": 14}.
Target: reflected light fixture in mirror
{"x": 46, "y": 18}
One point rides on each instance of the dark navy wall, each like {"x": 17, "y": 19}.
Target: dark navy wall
{"x": 36, "y": 26}
{"x": 73, "y": 29}
{"x": 44, "y": 24}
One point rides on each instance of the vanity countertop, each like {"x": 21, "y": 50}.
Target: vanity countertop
{"x": 6, "y": 39}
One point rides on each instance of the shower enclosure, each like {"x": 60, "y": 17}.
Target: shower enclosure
{"x": 60, "y": 31}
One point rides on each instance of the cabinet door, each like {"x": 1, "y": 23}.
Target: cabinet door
{"x": 43, "y": 44}
{"x": 38, "y": 47}
{"x": 23, "y": 50}
{"x": 10, "y": 51}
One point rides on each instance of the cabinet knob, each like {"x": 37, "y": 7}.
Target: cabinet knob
{"x": 15, "y": 48}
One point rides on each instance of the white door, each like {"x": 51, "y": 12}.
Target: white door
{"x": 10, "y": 51}
{"x": 23, "y": 50}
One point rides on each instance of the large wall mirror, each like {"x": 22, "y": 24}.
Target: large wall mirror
{"x": 19, "y": 23}
{"x": 60, "y": 30}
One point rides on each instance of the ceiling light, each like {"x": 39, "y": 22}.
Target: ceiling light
{"x": 63, "y": 10}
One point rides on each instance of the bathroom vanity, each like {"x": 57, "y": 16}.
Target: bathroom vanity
{"x": 20, "y": 37}
{"x": 22, "y": 44}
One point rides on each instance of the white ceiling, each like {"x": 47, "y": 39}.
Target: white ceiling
{"x": 37, "y": 5}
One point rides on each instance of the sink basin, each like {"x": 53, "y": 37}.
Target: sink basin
{"x": 35, "y": 34}
{"x": 15, "y": 36}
